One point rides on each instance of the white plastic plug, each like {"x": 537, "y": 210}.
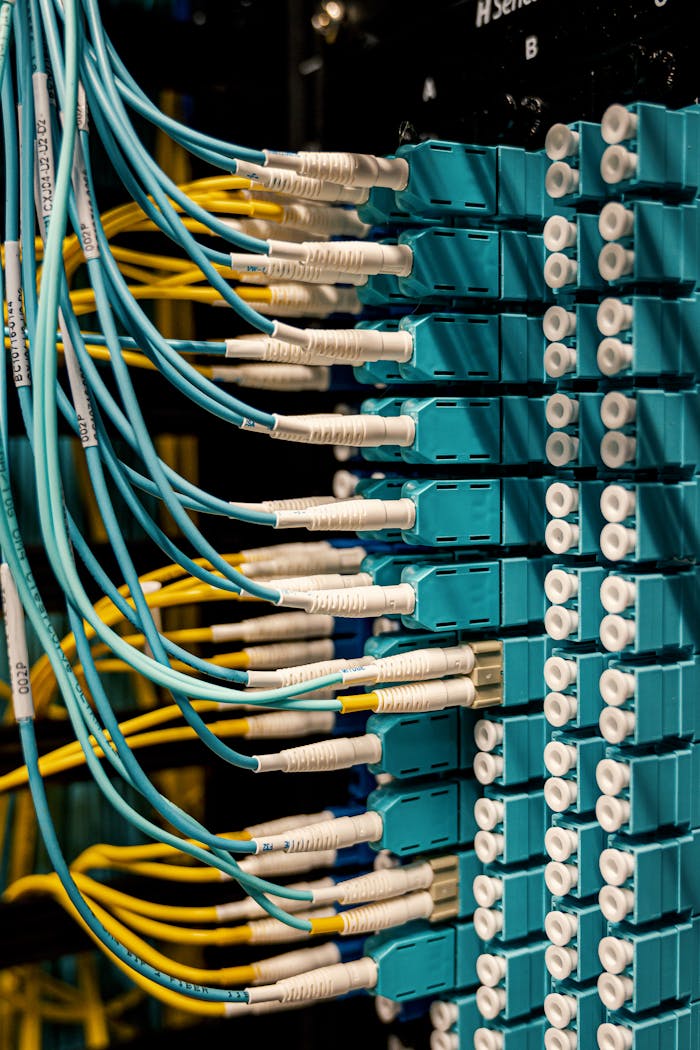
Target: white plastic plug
{"x": 488, "y": 846}
{"x": 560, "y": 843}
{"x": 561, "y": 410}
{"x": 487, "y": 767}
{"x": 399, "y": 599}
{"x": 614, "y": 1037}
{"x": 617, "y": 503}
{"x": 560, "y": 673}
{"x": 561, "y": 535}
{"x": 561, "y": 448}
{"x": 488, "y": 734}
{"x": 618, "y": 124}
{"x": 488, "y": 813}
{"x": 560, "y": 622}
{"x": 443, "y": 1015}
{"x": 614, "y": 316}
{"x": 615, "y": 954}
{"x": 617, "y": 165}
{"x": 556, "y": 1039}
{"x": 560, "y": 271}
{"x": 324, "y": 755}
{"x": 616, "y": 866}
{"x": 488, "y": 1039}
{"x": 561, "y": 141}
{"x": 561, "y": 927}
{"x": 560, "y": 878}
{"x": 615, "y": 262}
{"x": 559, "y": 233}
{"x": 616, "y": 686}
{"x": 327, "y": 982}
{"x": 560, "y": 586}
{"x": 561, "y": 499}
{"x": 616, "y": 724}
{"x": 614, "y": 991}
{"x": 617, "y": 632}
{"x": 560, "y": 962}
{"x": 558, "y": 323}
{"x": 560, "y": 1010}
{"x": 617, "y": 410}
{"x": 616, "y": 903}
{"x": 614, "y": 356}
{"x": 559, "y": 360}
{"x": 612, "y": 777}
{"x": 490, "y": 1001}
{"x": 615, "y": 221}
{"x": 487, "y": 890}
{"x": 617, "y": 594}
{"x": 490, "y": 969}
{"x": 560, "y": 758}
{"x": 561, "y": 179}
{"x": 617, "y": 449}
{"x": 616, "y": 541}
{"x": 560, "y": 794}
{"x": 560, "y": 709}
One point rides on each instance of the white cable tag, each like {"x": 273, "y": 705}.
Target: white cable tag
{"x": 87, "y": 431}
{"x": 17, "y": 656}
{"x": 82, "y": 109}
{"x": 45, "y": 178}
{"x": 83, "y": 202}
{"x": 19, "y": 351}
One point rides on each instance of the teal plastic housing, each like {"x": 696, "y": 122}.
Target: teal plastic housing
{"x": 665, "y": 611}
{"x": 589, "y": 431}
{"x": 589, "y": 704}
{"x": 664, "y": 790}
{"x": 591, "y": 930}
{"x": 657, "y": 504}
{"x": 590, "y": 1012}
{"x": 424, "y": 744}
{"x": 525, "y": 820}
{"x": 586, "y": 602}
{"x": 665, "y": 336}
{"x": 474, "y": 597}
{"x": 587, "y": 515}
{"x": 592, "y": 840}
{"x": 524, "y": 901}
{"x": 425, "y": 817}
{"x": 666, "y": 701}
{"x": 666, "y": 245}
{"x": 667, "y": 145}
{"x": 589, "y": 752}
{"x": 526, "y": 981}
{"x": 665, "y": 964}
{"x": 521, "y": 747}
{"x": 587, "y": 163}
{"x": 677, "y": 1029}
{"x": 424, "y": 960}
{"x": 665, "y": 880}
{"x": 666, "y": 430}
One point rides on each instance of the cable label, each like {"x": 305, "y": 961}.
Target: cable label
{"x": 17, "y": 655}
{"x": 87, "y": 430}
{"x": 44, "y": 148}
{"x": 83, "y": 202}
{"x": 19, "y": 352}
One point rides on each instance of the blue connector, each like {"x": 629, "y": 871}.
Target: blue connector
{"x": 637, "y": 517}
{"x": 576, "y": 517}
{"x": 510, "y": 748}
{"x": 651, "y": 148}
{"x": 577, "y": 430}
{"x": 575, "y": 845}
{"x": 678, "y": 1029}
{"x": 648, "y": 614}
{"x": 575, "y": 933}
{"x": 651, "y": 430}
{"x": 424, "y": 960}
{"x": 425, "y": 818}
{"x": 577, "y": 611}
{"x": 577, "y": 1010}
{"x": 575, "y": 151}
{"x": 643, "y": 335}
{"x": 511, "y": 905}
{"x": 572, "y": 762}
{"x": 477, "y": 596}
{"x": 644, "y": 970}
{"x": 574, "y": 701}
{"x": 651, "y": 703}
{"x": 647, "y": 881}
{"x": 424, "y": 744}
{"x": 481, "y": 430}
{"x": 642, "y": 793}
{"x": 511, "y": 826}
{"x": 514, "y": 980}
{"x": 649, "y": 243}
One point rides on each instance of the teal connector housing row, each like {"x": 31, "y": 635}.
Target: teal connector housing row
{"x": 665, "y": 246}
{"x": 520, "y": 897}
{"x": 465, "y": 348}
{"x": 477, "y": 596}
{"x": 577, "y": 444}
{"x": 664, "y": 698}
{"x": 574, "y": 701}
{"x": 512, "y": 826}
{"x": 666, "y": 153}
{"x": 584, "y": 276}
{"x": 648, "y": 510}
{"x": 674, "y": 1030}
{"x": 589, "y": 1012}
{"x": 479, "y": 430}
{"x": 512, "y": 748}
{"x": 424, "y": 960}
{"x": 665, "y": 433}
{"x": 473, "y": 183}
{"x": 424, "y": 744}
{"x": 664, "y": 966}
{"x": 581, "y": 755}
{"x": 663, "y": 611}
{"x": 425, "y": 818}
{"x": 574, "y": 842}
{"x": 589, "y": 928}
{"x": 522, "y": 1035}
{"x": 577, "y": 502}
{"x": 525, "y": 983}
{"x": 664, "y": 879}
{"x": 577, "y": 178}
{"x": 585, "y": 604}
{"x": 522, "y": 659}
{"x": 663, "y": 790}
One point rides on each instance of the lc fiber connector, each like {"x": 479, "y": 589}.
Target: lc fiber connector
{"x": 642, "y": 793}
{"x": 424, "y": 818}
{"x": 473, "y": 183}
{"x": 511, "y": 825}
{"x": 677, "y": 1029}
{"x": 650, "y": 613}
{"x": 637, "y": 516}
{"x": 514, "y": 980}
{"x": 575, "y": 932}
{"x": 575, "y": 1015}
{"x": 650, "y": 703}
{"x": 645, "y": 969}
{"x": 648, "y": 881}
{"x": 649, "y": 243}
{"x": 574, "y": 845}
{"x": 510, "y": 748}
{"x": 511, "y": 905}
{"x": 650, "y": 430}
{"x": 574, "y": 701}
{"x": 575, "y": 151}
{"x": 571, "y": 762}
{"x": 650, "y": 148}
{"x": 479, "y": 430}
{"x": 424, "y": 960}
{"x": 576, "y": 517}
{"x": 576, "y": 611}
